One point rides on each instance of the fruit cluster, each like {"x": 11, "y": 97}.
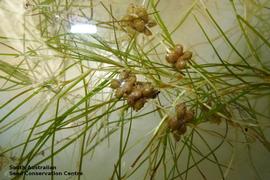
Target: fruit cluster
{"x": 177, "y": 124}
{"x": 178, "y": 57}
{"x": 138, "y": 19}
{"x": 135, "y": 92}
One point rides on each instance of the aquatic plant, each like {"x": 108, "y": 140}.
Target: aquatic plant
{"x": 136, "y": 88}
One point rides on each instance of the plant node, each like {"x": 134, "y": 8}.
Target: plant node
{"x": 135, "y": 92}
{"x": 177, "y": 57}
{"x": 177, "y": 124}
{"x": 138, "y": 20}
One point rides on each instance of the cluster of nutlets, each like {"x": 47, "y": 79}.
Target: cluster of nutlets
{"x": 177, "y": 124}
{"x": 178, "y": 57}
{"x": 135, "y": 92}
{"x": 138, "y": 19}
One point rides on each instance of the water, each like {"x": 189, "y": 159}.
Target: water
{"x": 39, "y": 38}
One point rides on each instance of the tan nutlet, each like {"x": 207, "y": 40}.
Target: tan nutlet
{"x": 131, "y": 79}
{"x": 136, "y": 94}
{"x": 127, "y": 87}
{"x": 127, "y": 20}
{"x": 138, "y": 25}
{"x": 180, "y": 110}
{"x": 131, "y": 9}
{"x": 148, "y": 91}
{"x": 173, "y": 123}
{"x": 131, "y": 100}
{"x": 139, "y": 104}
{"x": 142, "y": 13}
{"x": 171, "y": 57}
{"x": 119, "y": 92}
{"x": 179, "y": 49}
{"x": 180, "y": 64}
{"x": 187, "y": 55}
{"x": 182, "y": 129}
{"x": 115, "y": 84}
{"x": 189, "y": 115}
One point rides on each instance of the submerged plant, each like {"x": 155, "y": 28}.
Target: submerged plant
{"x": 67, "y": 95}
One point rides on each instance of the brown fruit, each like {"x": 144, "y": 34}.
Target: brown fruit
{"x": 187, "y": 55}
{"x": 179, "y": 49}
{"x": 189, "y": 115}
{"x": 180, "y": 64}
{"x": 126, "y": 20}
{"x": 131, "y": 100}
{"x": 138, "y": 25}
{"x": 139, "y": 104}
{"x": 171, "y": 57}
{"x": 154, "y": 94}
{"x": 131, "y": 9}
{"x": 131, "y": 79}
{"x": 147, "y": 90}
{"x": 127, "y": 87}
{"x": 174, "y": 123}
{"x": 182, "y": 129}
{"x": 136, "y": 94}
{"x": 142, "y": 13}
{"x": 119, "y": 93}
{"x": 180, "y": 110}
{"x": 115, "y": 84}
